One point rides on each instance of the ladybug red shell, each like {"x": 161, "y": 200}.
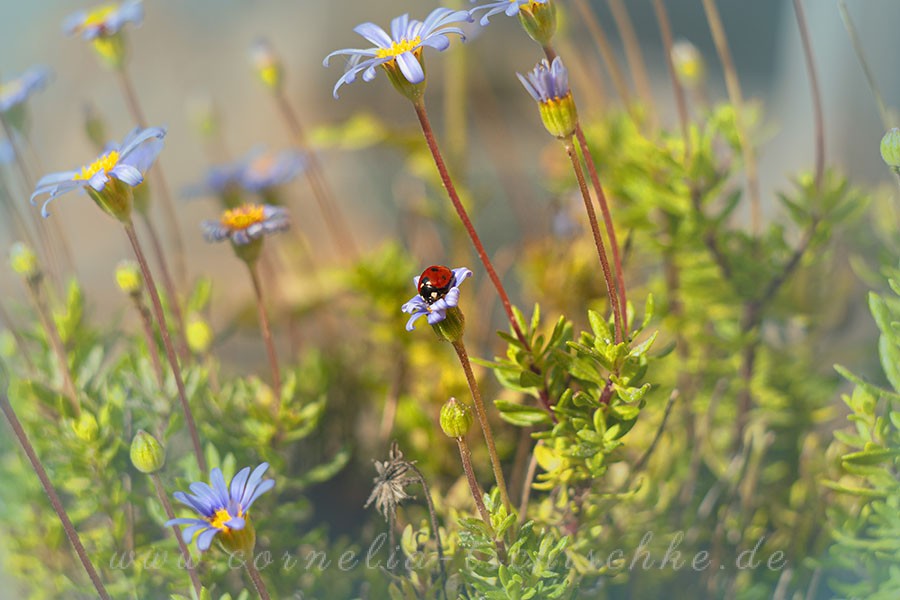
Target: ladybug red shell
{"x": 434, "y": 283}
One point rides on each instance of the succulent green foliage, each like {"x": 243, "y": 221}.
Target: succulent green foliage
{"x": 866, "y": 549}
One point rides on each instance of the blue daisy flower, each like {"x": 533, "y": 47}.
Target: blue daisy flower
{"x": 105, "y": 20}
{"x": 127, "y": 164}
{"x": 224, "y": 510}
{"x": 510, "y": 7}
{"x": 402, "y": 48}
{"x": 17, "y": 91}
{"x": 263, "y": 169}
{"x": 547, "y": 82}
{"x": 435, "y": 307}
{"x": 246, "y": 224}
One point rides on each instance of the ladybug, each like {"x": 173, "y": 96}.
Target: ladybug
{"x": 434, "y": 283}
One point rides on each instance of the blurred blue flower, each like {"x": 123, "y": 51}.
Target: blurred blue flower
{"x": 547, "y": 81}
{"x": 246, "y": 223}
{"x": 263, "y": 169}
{"x": 436, "y": 311}
{"x": 510, "y": 7}
{"x": 403, "y": 46}
{"x": 7, "y": 153}
{"x": 222, "y": 509}
{"x": 16, "y": 91}
{"x": 105, "y": 20}
{"x": 127, "y": 164}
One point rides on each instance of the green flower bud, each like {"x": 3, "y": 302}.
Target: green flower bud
{"x": 129, "y": 278}
{"x": 690, "y": 68}
{"x": 24, "y": 261}
{"x": 199, "y": 335}
{"x": 539, "y": 21}
{"x": 560, "y": 116}
{"x": 86, "y": 427}
{"x": 249, "y": 252}
{"x": 451, "y": 329}
{"x": 267, "y": 64}
{"x": 147, "y": 455}
{"x": 114, "y": 199}
{"x": 890, "y": 148}
{"x": 455, "y": 419}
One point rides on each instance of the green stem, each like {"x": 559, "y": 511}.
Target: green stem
{"x": 167, "y": 342}
{"x": 267, "y": 335}
{"x": 428, "y": 132}
{"x": 68, "y": 527}
{"x": 170, "y": 514}
{"x": 598, "y": 240}
{"x": 483, "y": 422}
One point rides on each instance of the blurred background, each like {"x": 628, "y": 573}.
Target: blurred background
{"x": 188, "y": 56}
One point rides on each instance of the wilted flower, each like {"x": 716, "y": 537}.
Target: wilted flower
{"x": 548, "y": 84}
{"x": 16, "y": 91}
{"x": 390, "y": 483}
{"x": 109, "y": 179}
{"x": 224, "y": 510}
{"x": 105, "y": 20}
{"x": 400, "y": 53}
{"x": 433, "y": 300}
{"x": 510, "y": 7}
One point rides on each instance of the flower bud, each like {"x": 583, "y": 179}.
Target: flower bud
{"x": 267, "y": 64}
{"x": 147, "y": 455}
{"x": 129, "y": 278}
{"x": 690, "y": 68}
{"x": 560, "y": 117}
{"x": 890, "y": 148}
{"x": 199, "y": 335}
{"x": 451, "y": 328}
{"x": 115, "y": 199}
{"x": 539, "y": 21}
{"x": 24, "y": 261}
{"x": 239, "y": 541}
{"x": 86, "y": 427}
{"x": 455, "y": 418}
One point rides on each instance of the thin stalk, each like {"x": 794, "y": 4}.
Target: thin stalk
{"x": 17, "y": 336}
{"x": 20, "y": 226}
{"x": 167, "y": 342}
{"x": 466, "y": 455}
{"x": 170, "y": 514}
{"x": 322, "y": 192}
{"x": 258, "y": 582}
{"x": 665, "y": 30}
{"x": 434, "y": 527}
{"x": 607, "y": 221}
{"x": 642, "y": 461}
{"x": 816, "y": 93}
{"x": 160, "y": 183}
{"x": 174, "y": 302}
{"x": 149, "y": 338}
{"x": 734, "y": 93}
{"x": 886, "y": 120}
{"x": 428, "y": 132}
{"x": 267, "y": 335}
{"x": 606, "y": 50}
{"x": 68, "y": 527}
{"x": 526, "y": 488}
{"x": 35, "y": 292}
{"x": 483, "y": 421}
{"x": 636, "y": 64}
{"x": 611, "y": 293}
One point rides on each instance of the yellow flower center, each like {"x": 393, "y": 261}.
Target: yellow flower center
{"x": 221, "y": 517}
{"x": 98, "y": 16}
{"x": 398, "y": 48}
{"x": 105, "y": 163}
{"x": 244, "y": 216}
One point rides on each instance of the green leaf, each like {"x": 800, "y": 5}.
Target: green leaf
{"x": 520, "y": 415}
{"x": 871, "y": 457}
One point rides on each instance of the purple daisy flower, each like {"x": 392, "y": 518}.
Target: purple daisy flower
{"x": 548, "y": 81}
{"x": 435, "y": 308}
{"x": 510, "y": 7}
{"x": 222, "y": 509}
{"x": 246, "y": 223}
{"x": 403, "y": 46}
{"x": 262, "y": 169}
{"x": 127, "y": 164}
{"x": 17, "y": 91}
{"x": 105, "y": 20}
